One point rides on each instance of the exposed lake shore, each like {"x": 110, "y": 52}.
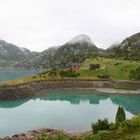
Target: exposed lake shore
{"x": 34, "y": 89}
{"x": 35, "y": 134}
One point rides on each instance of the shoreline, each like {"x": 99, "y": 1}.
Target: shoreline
{"x": 118, "y": 91}
{"x": 34, "y": 89}
{"x": 102, "y": 90}
{"x": 36, "y": 133}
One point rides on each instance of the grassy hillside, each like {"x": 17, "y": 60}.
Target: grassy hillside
{"x": 116, "y": 69}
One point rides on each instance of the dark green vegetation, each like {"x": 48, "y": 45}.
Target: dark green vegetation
{"x": 103, "y": 130}
{"x": 60, "y": 136}
{"x": 120, "y": 116}
{"x": 114, "y": 69}
{"x": 100, "y": 125}
{"x": 53, "y": 73}
{"x": 135, "y": 74}
{"x": 68, "y": 73}
{"x": 103, "y": 76}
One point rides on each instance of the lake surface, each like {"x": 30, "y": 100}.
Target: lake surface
{"x": 6, "y": 75}
{"x": 71, "y": 111}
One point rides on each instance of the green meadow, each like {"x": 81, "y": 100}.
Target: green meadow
{"x": 116, "y": 69}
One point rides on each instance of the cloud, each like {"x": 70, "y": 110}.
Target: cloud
{"x": 39, "y": 24}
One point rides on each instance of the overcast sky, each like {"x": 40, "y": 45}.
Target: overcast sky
{"x": 39, "y": 24}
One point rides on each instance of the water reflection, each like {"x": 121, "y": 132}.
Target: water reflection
{"x": 71, "y": 111}
{"x": 131, "y": 103}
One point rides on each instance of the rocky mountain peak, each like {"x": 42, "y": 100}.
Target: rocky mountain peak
{"x": 81, "y": 39}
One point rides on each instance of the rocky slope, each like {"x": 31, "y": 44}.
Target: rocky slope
{"x": 43, "y": 59}
{"x": 11, "y": 54}
{"x": 75, "y": 50}
{"x": 128, "y": 49}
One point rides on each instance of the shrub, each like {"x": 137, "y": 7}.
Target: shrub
{"x": 135, "y": 74}
{"x": 117, "y": 64}
{"x": 54, "y": 137}
{"x": 120, "y": 116}
{"x": 53, "y": 72}
{"x": 68, "y": 73}
{"x": 112, "y": 126}
{"x": 103, "y": 76}
{"x": 100, "y": 125}
{"x": 45, "y": 72}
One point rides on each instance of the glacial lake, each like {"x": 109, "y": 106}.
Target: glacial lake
{"x": 72, "y": 111}
{"x": 10, "y": 74}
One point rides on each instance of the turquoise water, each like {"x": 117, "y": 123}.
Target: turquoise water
{"x": 6, "y": 74}
{"x": 71, "y": 111}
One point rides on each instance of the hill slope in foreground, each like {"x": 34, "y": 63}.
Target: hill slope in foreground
{"x": 128, "y": 130}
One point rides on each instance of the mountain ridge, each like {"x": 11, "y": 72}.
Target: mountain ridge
{"x": 76, "y": 50}
{"x": 129, "y": 48}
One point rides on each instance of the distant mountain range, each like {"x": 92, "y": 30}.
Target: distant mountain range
{"x": 76, "y": 50}
{"x": 10, "y": 53}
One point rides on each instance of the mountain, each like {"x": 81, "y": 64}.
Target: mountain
{"x": 128, "y": 49}
{"x": 11, "y": 52}
{"x": 43, "y": 59}
{"x": 76, "y": 50}
{"x": 131, "y": 43}
{"x": 80, "y": 39}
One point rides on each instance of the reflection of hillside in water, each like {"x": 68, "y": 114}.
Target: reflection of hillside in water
{"x": 12, "y": 104}
{"x": 131, "y": 103}
{"x": 75, "y": 98}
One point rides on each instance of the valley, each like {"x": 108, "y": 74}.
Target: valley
{"x": 76, "y": 77}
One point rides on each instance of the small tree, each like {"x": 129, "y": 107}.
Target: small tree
{"x": 120, "y": 116}
{"x": 100, "y": 125}
{"x": 53, "y": 72}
